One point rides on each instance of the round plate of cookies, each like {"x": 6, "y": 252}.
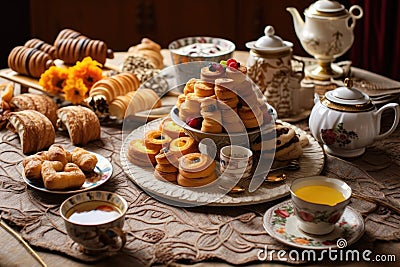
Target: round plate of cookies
{"x": 60, "y": 171}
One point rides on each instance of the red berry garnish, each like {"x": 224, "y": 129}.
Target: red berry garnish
{"x": 233, "y": 65}
{"x": 194, "y": 122}
{"x": 230, "y": 60}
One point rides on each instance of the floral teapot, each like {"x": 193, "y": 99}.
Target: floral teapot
{"x": 326, "y": 34}
{"x": 346, "y": 121}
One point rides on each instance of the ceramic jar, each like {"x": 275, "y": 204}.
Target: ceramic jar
{"x": 346, "y": 121}
{"x": 269, "y": 66}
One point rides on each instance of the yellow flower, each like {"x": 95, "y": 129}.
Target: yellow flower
{"x": 53, "y": 79}
{"x": 75, "y": 90}
{"x": 88, "y": 70}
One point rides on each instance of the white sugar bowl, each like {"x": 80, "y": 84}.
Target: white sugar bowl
{"x": 346, "y": 121}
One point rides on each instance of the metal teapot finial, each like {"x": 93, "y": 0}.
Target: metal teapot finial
{"x": 348, "y": 82}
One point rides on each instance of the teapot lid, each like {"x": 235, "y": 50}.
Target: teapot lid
{"x": 269, "y": 42}
{"x": 348, "y": 98}
{"x": 326, "y": 8}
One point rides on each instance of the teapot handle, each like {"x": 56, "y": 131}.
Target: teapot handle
{"x": 353, "y": 16}
{"x": 396, "y": 109}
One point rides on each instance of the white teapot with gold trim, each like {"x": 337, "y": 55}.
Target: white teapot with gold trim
{"x": 346, "y": 121}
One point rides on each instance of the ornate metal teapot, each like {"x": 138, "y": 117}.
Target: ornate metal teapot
{"x": 326, "y": 34}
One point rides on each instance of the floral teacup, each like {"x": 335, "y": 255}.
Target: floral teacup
{"x": 95, "y": 219}
{"x": 316, "y": 218}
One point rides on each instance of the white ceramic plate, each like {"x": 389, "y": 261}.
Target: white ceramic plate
{"x": 311, "y": 163}
{"x": 280, "y": 223}
{"x": 102, "y": 173}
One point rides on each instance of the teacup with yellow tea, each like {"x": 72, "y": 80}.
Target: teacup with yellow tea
{"x": 319, "y": 202}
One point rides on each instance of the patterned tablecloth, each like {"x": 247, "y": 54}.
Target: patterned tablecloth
{"x": 158, "y": 233}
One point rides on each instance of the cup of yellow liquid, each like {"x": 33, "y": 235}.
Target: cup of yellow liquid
{"x": 319, "y": 203}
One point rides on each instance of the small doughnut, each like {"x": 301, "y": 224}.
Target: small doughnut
{"x": 188, "y": 182}
{"x": 166, "y": 156}
{"x": 167, "y": 176}
{"x": 203, "y": 89}
{"x": 155, "y": 140}
{"x": 184, "y": 145}
{"x": 166, "y": 168}
{"x": 196, "y": 165}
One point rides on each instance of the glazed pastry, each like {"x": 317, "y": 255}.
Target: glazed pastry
{"x": 183, "y": 145}
{"x": 112, "y": 87}
{"x": 29, "y": 61}
{"x": 58, "y": 153}
{"x": 41, "y": 103}
{"x": 35, "y": 130}
{"x": 170, "y": 128}
{"x": 155, "y": 140}
{"x": 150, "y": 50}
{"x": 196, "y": 165}
{"x": 33, "y": 165}
{"x": 212, "y": 118}
{"x": 42, "y": 46}
{"x": 85, "y": 160}
{"x": 72, "y": 50}
{"x": 203, "y": 89}
{"x": 56, "y": 176}
{"x": 82, "y": 124}
{"x": 140, "y": 155}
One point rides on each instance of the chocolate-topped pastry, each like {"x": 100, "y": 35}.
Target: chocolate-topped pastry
{"x": 212, "y": 72}
{"x": 42, "y": 46}
{"x": 29, "y": 61}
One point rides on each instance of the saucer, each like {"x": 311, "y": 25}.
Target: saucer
{"x": 280, "y": 222}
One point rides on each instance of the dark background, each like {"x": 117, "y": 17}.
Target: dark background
{"x": 123, "y": 23}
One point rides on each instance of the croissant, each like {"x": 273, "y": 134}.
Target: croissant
{"x": 84, "y": 159}
{"x": 114, "y": 86}
{"x": 29, "y": 61}
{"x": 33, "y": 165}
{"x": 150, "y": 50}
{"x": 82, "y": 124}
{"x": 35, "y": 130}
{"x": 42, "y": 46}
{"x": 41, "y": 103}
{"x": 56, "y": 176}
{"x": 133, "y": 102}
{"x": 72, "y": 50}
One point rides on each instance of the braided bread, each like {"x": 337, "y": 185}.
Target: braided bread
{"x": 112, "y": 87}
{"x": 82, "y": 124}
{"x": 42, "y": 46}
{"x": 41, "y": 103}
{"x": 29, "y": 61}
{"x": 72, "y": 50}
{"x": 34, "y": 129}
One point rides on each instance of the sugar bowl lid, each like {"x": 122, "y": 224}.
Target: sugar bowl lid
{"x": 269, "y": 42}
{"x": 347, "y": 98}
{"x": 326, "y": 8}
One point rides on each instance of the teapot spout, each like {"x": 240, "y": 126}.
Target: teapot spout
{"x": 297, "y": 20}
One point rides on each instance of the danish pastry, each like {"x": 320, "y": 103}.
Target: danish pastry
{"x": 212, "y": 118}
{"x": 85, "y": 160}
{"x": 167, "y": 176}
{"x": 170, "y": 128}
{"x": 189, "y": 86}
{"x": 35, "y": 130}
{"x": 82, "y": 124}
{"x": 196, "y": 165}
{"x": 42, "y": 46}
{"x": 41, "y": 103}
{"x": 166, "y": 156}
{"x": 203, "y": 89}
{"x": 183, "y": 145}
{"x": 29, "y": 61}
{"x": 58, "y": 153}
{"x": 140, "y": 155}
{"x": 189, "y": 182}
{"x": 56, "y": 176}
